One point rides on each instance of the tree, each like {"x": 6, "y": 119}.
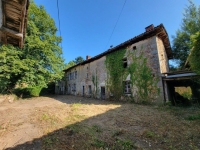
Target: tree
{"x": 190, "y": 25}
{"x": 78, "y": 60}
{"x": 195, "y": 53}
{"x": 70, "y": 64}
{"x": 40, "y": 61}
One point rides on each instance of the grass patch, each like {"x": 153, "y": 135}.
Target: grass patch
{"x": 193, "y": 117}
{"x": 148, "y": 134}
{"x": 124, "y": 145}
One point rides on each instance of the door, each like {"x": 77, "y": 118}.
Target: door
{"x": 103, "y": 91}
{"x": 83, "y": 90}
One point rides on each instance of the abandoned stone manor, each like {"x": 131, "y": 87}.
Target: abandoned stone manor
{"x": 133, "y": 68}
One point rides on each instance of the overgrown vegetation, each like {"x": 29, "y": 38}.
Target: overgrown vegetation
{"x": 195, "y": 52}
{"x": 190, "y": 26}
{"x": 143, "y": 82}
{"x": 39, "y": 62}
{"x": 116, "y": 72}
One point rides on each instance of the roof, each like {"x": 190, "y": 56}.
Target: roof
{"x": 14, "y": 21}
{"x": 159, "y": 31}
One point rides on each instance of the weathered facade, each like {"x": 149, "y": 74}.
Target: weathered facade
{"x": 91, "y": 77}
{"x": 13, "y": 21}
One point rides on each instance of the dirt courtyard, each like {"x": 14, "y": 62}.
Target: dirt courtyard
{"x": 74, "y": 123}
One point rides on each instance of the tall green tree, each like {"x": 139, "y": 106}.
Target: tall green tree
{"x": 40, "y": 61}
{"x": 190, "y": 25}
{"x": 194, "y": 57}
{"x": 78, "y": 60}
{"x": 70, "y": 64}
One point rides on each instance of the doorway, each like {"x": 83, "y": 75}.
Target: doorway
{"x": 103, "y": 92}
{"x": 83, "y": 90}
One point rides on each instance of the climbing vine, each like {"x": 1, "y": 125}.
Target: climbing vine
{"x": 115, "y": 70}
{"x": 143, "y": 82}
{"x": 95, "y": 82}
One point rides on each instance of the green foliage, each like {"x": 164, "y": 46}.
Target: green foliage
{"x": 70, "y": 64}
{"x": 194, "y": 56}
{"x": 78, "y": 60}
{"x": 115, "y": 70}
{"x": 11, "y": 67}
{"x": 40, "y": 61}
{"x": 95, "y": 82}
{"x": 190, "y": 26}
{"x": 193, "y": 117}
{"x": 28, "y": 91}
{"x": 142, "y": 79}
{"x": 143, "y": 83}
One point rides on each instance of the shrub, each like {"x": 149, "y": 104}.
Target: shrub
{"x": 28, "y": 92}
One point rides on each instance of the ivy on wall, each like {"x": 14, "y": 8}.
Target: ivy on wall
{"x": 115, "y": 71}
{"x": 143, "y": 82}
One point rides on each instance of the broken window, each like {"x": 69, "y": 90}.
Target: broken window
{"x": 127, "y": 87}
{"x": 125, "y": 64}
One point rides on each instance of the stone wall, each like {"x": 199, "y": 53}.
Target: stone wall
{"x": 163, "y": 60}
{"x": 94, "y": 74}
{"x": 151, "y": 50}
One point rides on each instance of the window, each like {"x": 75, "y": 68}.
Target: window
{"x": 127, "y": 87}
{"x": 87, "y": 75}
{"x": 125, "y": 62}
{"x": 134, "y": 47}
{"x": 70, "y": 76}
{"x": 67, "y": 77}
{"x": 75, "y": 74}
{"x": 89, "y": 89}
{"x": 74, "y": 87}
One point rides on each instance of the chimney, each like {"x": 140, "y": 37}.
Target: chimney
{"x": 88, "y": 57}
{"x": 149, "y": 28}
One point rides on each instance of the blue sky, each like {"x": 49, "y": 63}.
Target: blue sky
{"x": 86, "y": 25}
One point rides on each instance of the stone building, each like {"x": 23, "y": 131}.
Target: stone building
{"x": 13, "y": 21}
{"x": 91, "y": 77}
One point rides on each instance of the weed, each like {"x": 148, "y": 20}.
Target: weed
{"x": 124, "y": 145}
{"x": 193, "y": 117}
{"x": 50, "y": 141}
{"x": 118, "y": 132}
{"x": 98, "y": 143}
{"x": 96, "y": 128}
{"x": 148, "y": 134}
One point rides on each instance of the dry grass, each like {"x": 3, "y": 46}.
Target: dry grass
{"x": 94, "y": 124}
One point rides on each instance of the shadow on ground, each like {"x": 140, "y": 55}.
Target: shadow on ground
{"x": 127, "y": 127}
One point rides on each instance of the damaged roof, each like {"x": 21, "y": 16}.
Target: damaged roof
{"x": 159, "y": 31}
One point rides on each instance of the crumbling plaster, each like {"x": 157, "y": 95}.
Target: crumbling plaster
{"x": 153, "y": 49}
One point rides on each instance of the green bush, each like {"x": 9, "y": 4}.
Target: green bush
{"x": 28, "y": 91}
{"x": 34, "y": 91}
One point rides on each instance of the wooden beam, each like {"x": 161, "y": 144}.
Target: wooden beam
{"x": 16, "y": 34}
{"x": 23, "y": 15}
{"x": 12, "y": 3}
